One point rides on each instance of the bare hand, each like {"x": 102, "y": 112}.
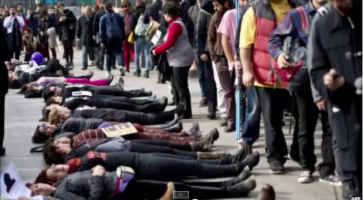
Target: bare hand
{"x": 331, "y": 82}
{"x": 248, "y": 78}
{"x": 237, "y": 65}
{"x": 155, "y": 25}
{"x": 204, "y": 57}
{"x": 321, "y": 104}
{"x": 282, "y": 61}
{"x": 98, "y": 171}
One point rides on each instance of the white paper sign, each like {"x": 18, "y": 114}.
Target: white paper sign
{"x": 156, "y": 37}
{"x": 82, "y": 93}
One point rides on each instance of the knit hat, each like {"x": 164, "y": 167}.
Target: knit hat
{"x": 42, "y": 177}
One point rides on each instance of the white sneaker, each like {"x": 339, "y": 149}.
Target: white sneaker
{"x": 305, "y": 177}
{"x": 332, "y": 180}
{"x": 108, "y": 74}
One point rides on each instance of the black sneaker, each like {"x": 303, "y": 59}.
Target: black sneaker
{"x": 276, "y": 167}
{"x": 332, "y": 180}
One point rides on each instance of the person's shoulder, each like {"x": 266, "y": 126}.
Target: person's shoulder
{"x": 230, "y": 13}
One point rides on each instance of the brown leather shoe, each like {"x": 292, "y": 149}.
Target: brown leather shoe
{"x": 205, "y": 144}
{"x": 169, "y": 192}
{"x": 211, "y": 155}
{"x": 267, "y": 193}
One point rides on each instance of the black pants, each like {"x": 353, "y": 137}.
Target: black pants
{"x": 210, "y": 86}
{"x": 153, "y": 189}
{"x": 272, "y": 106}
{"x": 13, "y": 47}
{"x": 126, "y": 116}
{"x": 149, "y": 146}
{"x": 2, "y": 117}
{"x": 179, "y": 83}
{"x": 308, "y": 117}
{"x": 152, "y": 107}
{"x": 101, "y": 57}
{"x": 68, "y": 50}
{"x": 115, "y": 90}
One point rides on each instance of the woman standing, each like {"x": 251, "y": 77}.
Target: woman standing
{"x": 126, "y": 14}
{"x": 179, "y": 54}
{"x": 44, "y": 24}
{"x": 140, "y": 30}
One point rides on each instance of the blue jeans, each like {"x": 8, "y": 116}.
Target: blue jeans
{"x": 251, "y": 127}
{"x": 139, "y": 42}
{"x": 200, "y": 68}
{"x": 85, "y": 51}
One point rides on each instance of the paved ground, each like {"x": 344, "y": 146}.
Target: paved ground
{"x": 22, "y": 116}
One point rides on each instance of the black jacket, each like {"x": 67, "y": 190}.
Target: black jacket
{"x": 202, "y": 27}
{"x": 77, "y": 125}
{"x": 4, "y": 56}
{"x": 33, "y": 22}
{"x": 85, "y": 30}
{"x": 96, "y": 21}
{"x": 43, "y": 26}
{"x": 152, "y": 11}
{"x": 67, "y": 28}
{"x": 84, "y": 186}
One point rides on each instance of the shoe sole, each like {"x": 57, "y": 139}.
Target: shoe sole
{"x": 276, "y": 172}
{"x": 305, "y": 180}
{"x": 201, "y": 105}
{"x": 331, "y": 183}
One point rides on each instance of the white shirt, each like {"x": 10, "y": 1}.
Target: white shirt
{"x": 9, "y": 21}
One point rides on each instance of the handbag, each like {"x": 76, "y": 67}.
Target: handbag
{"x": 130, "y": 39}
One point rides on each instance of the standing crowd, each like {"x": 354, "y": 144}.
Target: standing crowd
{"x": 301, "y": 58}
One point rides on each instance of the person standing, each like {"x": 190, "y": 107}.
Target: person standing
{"x": 45, "y": 23}
{"x": 84, "y": 33}
{"x": 128, "y": 48}
{"x": 336, "y": 72}
{"x": 29, "y": 44}
{"x": 152, "y": 11}
{"x": 204, "y": 18}
{"x": 112, "y": 32}
{"x": 67, "y": 30}
{"x": 179, "y": 54}
{"x": 34, "y": 18}
{"x": 96, "y": 36}
{"x": 4, "y": 81}
{"x": 258, "y": 22}
{"x": 193, "y": 14}
{"x": 219, "y": 59}
{"x": 13, "y": 25}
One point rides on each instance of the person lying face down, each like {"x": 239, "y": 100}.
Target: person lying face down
{"x": 121, "y": 103}
{"x": 150, "y": 165}
{"x": 61, "y": 150}
{"x": 81, "y": 89}
{"x": 123, "y": 183}
{"x": 59, "y": 113}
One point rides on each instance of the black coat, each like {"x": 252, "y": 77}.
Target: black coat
{"x": 4, "y": 56}
{"x": 77, "y": 125}
{"x": 85, "y": 31}
{"x": 43, "y": 26}
{"x": 97, "y": 19}
{"x": 33, "y": 22}
{"x": 202, "y": 26}
{"x": 67, "y": 28}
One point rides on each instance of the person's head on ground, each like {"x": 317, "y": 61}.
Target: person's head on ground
{"x": 171, "y": 10}
{"x": 13, "y": 81}
{"x": 38, "y": 7}
{"x": 54, "y": 100}
{"x": 87, "y": 11}
{"x": 43, "y": 132}
{"x": 109, "y": 7}
{"x": 221, "y": 6}
{"x": 51, "y": 91}
{"x": 55, "y": 149}
{"x": 58, "y": 114}
{"x": 52, "y": 174}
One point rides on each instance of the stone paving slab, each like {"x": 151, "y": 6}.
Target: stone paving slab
{"x": 22, "y": 116}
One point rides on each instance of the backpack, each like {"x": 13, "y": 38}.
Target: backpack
{"x": 141, "y": 28}
{"x": 113, "y": 27}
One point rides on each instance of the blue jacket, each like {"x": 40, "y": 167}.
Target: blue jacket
{"x": 103, "y": 26}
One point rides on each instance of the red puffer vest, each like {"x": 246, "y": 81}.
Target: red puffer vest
{"x": 266, "y": 23}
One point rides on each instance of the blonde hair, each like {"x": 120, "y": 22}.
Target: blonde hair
{"x": 54, "y": 117}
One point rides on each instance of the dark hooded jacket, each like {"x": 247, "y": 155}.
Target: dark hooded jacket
{"x": 96, "y": 22}
{"x": 77, "y": 125}
{"x": 204, "y": 18}
{"x": 67, "y": 28}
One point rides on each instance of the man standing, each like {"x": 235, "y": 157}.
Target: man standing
{"x": 13, "y": 25}
{"x": 258, "y": 22}
{"x": 67, "y": 30}
{"x": 4, "y": 81}
{"x": 34, "y": 18}
{"x": 218, "y": 57}
{"x": 112, "y": 32}
{"x": 297, "y": 27}
{"x": 152, "y": 11}
{"x": 96, "y": 30}
{"x": 336, "y": 71}
{"x": 204, "y": 18}
{"x": 193, "y": 14}
{"x": 85, "y": 34}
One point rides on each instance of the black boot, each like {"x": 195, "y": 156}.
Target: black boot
{"x": 137, "y": 73}
{"x": 231, "y": 126}
{"x": 245, "y": 174}
{"x": 195, "y": 131}
{"x": 109, "y": 79}
{"x": 146, "y": 93}
{"x": 251, "y": 161}
{"x": 215, "y": 134}
{"x": 242, "y": 154}
{"x": 146, "y": 74}
{"x": 175, "y": 128}
{"x": 180, "y": 109}
{"x": 243, "y": 188}
{"x": 211, "y": 115}
{"x": 89, "y": 75}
